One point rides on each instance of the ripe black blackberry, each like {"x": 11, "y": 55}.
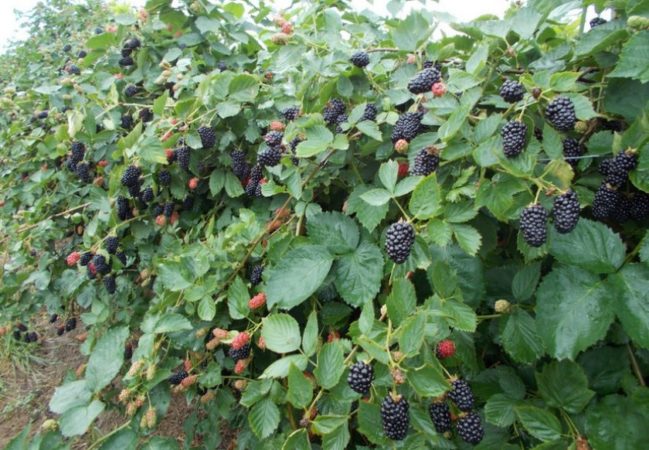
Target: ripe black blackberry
{"x": 370, "y": 112}
{"x": 399, "y": 240}
{"x": 469, "y": 428}
{"x": 253, "y": 189}
{"x": 127, "y": 122}
{"x": 123, "y": 208}
{"x": 339, "y": 121}
{"x": 512, "y": 91}
{"x": 269, "y": 157}
{"x": 71, "y": 324}
{"x": 621, "y": 212}
{"x": 109, "y": 284}
{"x": 440, "y": 415}
{"x": 424, "y": 80}
{"x": 131, "y": 176}
{"x": 85, "y": 258}
{"x": 426, "y": 162}
{"x": 533, "y": 223}
{"x": 77, "y": 151}
{"x": 565, "y": 212}
{"x": 101, "y": 264}
{"x": 17, "y": 335}
{"x": 157, "y": 210}
{"x": 67, "y": 48}
{"x": 134, "y": 191}
{"x": 60, "y": 330}
{"x": 639, "y": 206}
{"x": 360, "y": 59}
{"x": 514, "y": 138}
{"x": 71, "y": 164}
{"x": 408, "y": 126}
{"x": 111, "y": 243}
{"x": 222, "y": 66}
{"x": 178, "y": 377}
{"x": 188, "y": 203}
{"x": 164, "y": 178}
{"x": 240, "y": 353}
{"x": 74, "y": 69}
{"x": 332, "y": 110}
{"x": 255, "y": 274}
{"x": 168, "y": 209}
{"x": 146, "y": 115}
{"x": 54, "y": 317}
{"x": 130, "y": 90}
{"x": 132, "y": 43}
{"x": 604, "y": 202}
{"x": 208, "y": 136}
{"x": 291, "y": 113}
{"x": 126, "y": 52}
{"x": 32, "y": 336}
{"x": 561, "y": 114}
{"x": 274, "y": 138}
{"x": 605, "y": 166}
{"x": 623, "y": 163}
{"x": 147, "y": 196}
{"x": 182, "y": 156}
{"x": 121, "y": 256}
{"x": 83, "y": 172}
{"x": 360, "y": 377}
{"x": 571, "y": 151}
{"x": 461, "y": 394}
{"x": 126, "y": 61}
{"x": 395, "y": 418}
{"x": 240, "y": 166}
{"x": 597, "y": 21}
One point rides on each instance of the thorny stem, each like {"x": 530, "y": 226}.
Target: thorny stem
{"x": 62, "y": 213}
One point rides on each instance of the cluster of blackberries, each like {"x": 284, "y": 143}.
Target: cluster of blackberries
{"x": 560, "y": 112}
{"x": 512, "y": 91}
{"x": 514, "y": 138}
{"x": 370, "y": 112}
{"x": 253, "y": 186}
{"x": 394, "y": 417}
{"x": 616, "y": 170}
{"x": 333, "y": 111}
{"x": 255, "y": 274}
{"x": 399, "y": 240}
{"x": 468, "y": 426}
{"x": 208, "y": 136}
{"x": 572, "y": 150}
{"x": 360, "y": 377}
{"x": 407, "y": 127}
{"x": 21, "y": 333}
{"x": 426, "y": 162}
{"x": 424, "y": 80}
{"x": 129, "y": 46}
{"x": 69, "y": 324}
{"x": 610, "y": 202}
{"x": 360, "y": 59}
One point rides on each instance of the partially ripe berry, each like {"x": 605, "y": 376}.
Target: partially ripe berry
{"x": 261, "y": 343}
{"x": 403, "y": 169}
{"x": 161, "y": 220}
{"x": 412, "y": 59}
{"x": 401, "y": 146}
{"x": 276, "y": 125}
{"x": 445, "y": 349}
{"x": 73, "y": 258}
{"x": 287, "y": 28}
{"x": 240, "y": 366}
{"x": 240, "y": 340}
{"x": 257, "y": 301}
{"x": 439, "y": 89}
{"x": 193, "y": 183}
{"x": 102, "y": 163}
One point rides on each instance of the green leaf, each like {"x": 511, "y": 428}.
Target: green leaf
{"x": 563, "y": 384}
{"x": 409, "y": 33}
{"x": 371, "y": 129}
{"x": 376, "y": 197}
{"x": 243, "y": 88}
{"x": 228, "y": 109}
{"x": 428, "y": 381}
{"x": 388, "y": 174}
{"x": 374, "y": 349}
{"x": 77, "y": 420}
{"x": 330, "y": 365}
{"x": 281, "y": 333}
{"x": 336, "y": 231}
{"x": 574, "y": 310}
{"x": 632, "y": 306}
{"x": 369, "y": 423}
{"x": 206, "y": 308}
{"x": 617, "y": 423}
{"x": 525, "y": 281}
{"x": 633, "y": 59}
{"x": 406, "y": 186}
{"x": 159, "y": 104}
{"x": 264, "y": 418}
{"x": 326, "y": 424}
{"x": 238, "y": 297}
{"x": 70, "y": 395}
{"x": 552, "y": 142}
{"x": 591, "y": 245}
{"x": 337, "y": 439}
{"x": 426, "y": 200}
{"x": 369, "y": 216}
{"x": 310, "y": 335}
{"x": 217, "y": 181}
{"x": 359, "y": 274}
{"x": 318, "y": 139}
{"x": 439, "y": 232}
{"x": 297, "y": 440}
{"x": 539, "y": 423}
{"x": 101, "y": 41}
{"x": 106, "y": 358}
{"x": 468, "y": 238}
{"x": 411, "y": 333}
{"x": 520, "y": 338}
{"x": 366, "y": 320}
{"x": 402, "y": 300}
{"x": 459, "y": 315}
{"x": 499, "y": 410}
{"x": 300, "y": 389}
{"x": 298, "y": 275}
{"x": 171, "y": 322}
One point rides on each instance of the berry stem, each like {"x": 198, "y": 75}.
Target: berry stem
{"x": 635, "y": 366}
{"x": 405, "y": 214}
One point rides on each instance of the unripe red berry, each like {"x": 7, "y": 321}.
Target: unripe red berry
{"x": 276, "y": 125}
{"x": 240, "y": 366}
{"x": 401, "y": 146}
{"x": 73, "y": 258}
{"x": 193, "y": 183}
{"x": 240, "y": 340}
{"x": 445, "y": 349}
{"x": 439, "y": 89}
{"x": 257, "y": 301}
{"x": 403, "y": 169}
{"x": 161, "y": 220}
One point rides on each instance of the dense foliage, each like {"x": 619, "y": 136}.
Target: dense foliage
{"x": 328, "y": 229}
